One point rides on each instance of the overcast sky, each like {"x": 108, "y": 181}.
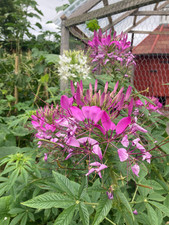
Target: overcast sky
{"x": 48, "y": 9}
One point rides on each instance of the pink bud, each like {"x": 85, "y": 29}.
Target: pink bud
{"x": 45, "y": 157}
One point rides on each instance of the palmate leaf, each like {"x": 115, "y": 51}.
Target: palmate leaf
{"x": 65, "y": 217}
{"x": 49, "y": 200}
{"x": 64, "y": 183}
{"x": 102, "y": 210}
{"x": 84, "y": 214}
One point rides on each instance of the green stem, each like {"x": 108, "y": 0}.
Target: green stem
{"x": 109, "y": 221}
{"x": 37, "y": 93}
{"x": 90, "y": 203}
{"x": 134, "y": 194}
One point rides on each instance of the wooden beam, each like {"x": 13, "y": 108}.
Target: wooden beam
{"x": 149, "y": 32}
{"x": 105, "y": 2}
{"x": 146, "y": 17}
{"x": 132, "y": 36}
{"x": 109, "y": 10}
{"x": 84, "y": 8}
{"x": 151, "y": 13}
{"x": 76, "y": 32}
{"x": 64, "y": 46}
{"x": 118, "y": 20}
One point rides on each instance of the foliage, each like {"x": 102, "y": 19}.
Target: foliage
{"x": 112, "y": 137}
{"x": 93, "y": 25}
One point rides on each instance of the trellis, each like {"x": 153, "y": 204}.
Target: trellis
{"x": 125, "y": 8}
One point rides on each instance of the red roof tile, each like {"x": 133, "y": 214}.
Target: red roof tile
{"x": 154, "y": 43}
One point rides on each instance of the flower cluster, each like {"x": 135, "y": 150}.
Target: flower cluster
{"x": 151, "y": 107}
{"x": 73, "y": 66}
{"x": 90, "y": 126}
{"x": 107, "y": 49}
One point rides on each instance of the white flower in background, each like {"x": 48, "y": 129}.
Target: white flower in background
{"x": 73, "y": 66}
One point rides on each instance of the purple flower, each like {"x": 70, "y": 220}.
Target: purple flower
{"x": 98, "y": 169}
{"x": 125, "y": 141}
{"x": 135, "y": 212}
{"x": 123, "y": 124}
{"x": 123, "y": 155}
{"x": 136, "y": 169}
{"x": 110, "y": 195}
{"x": 45, "y": 157}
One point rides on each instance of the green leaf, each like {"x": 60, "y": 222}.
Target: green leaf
{"x": 152, "y": 215}
{"x": 44, "y": 78}
{"x": 159, "y": 216}
{"x": 49, "y": 200}
{"x": 65, "y": 218}
{"x": 61, "y": 8}
{"x": 16, "y": 211}
{"x": 64, "y": 183}
{"x": 83, "y": 187}
{"x": 17, "y": 219}
{"x": 24, "y": 219}
{"x": 38, "y": 25}
{"x": 31, "y": 216}
{"x": 142, "y": 219}
{"x": 24, "y": 175}
{"x": 95, "y": 190}
{"x": 166, "y": 202}
{"x": 156, "y": 197}
{"x": 13, "y": 177}
{"x": 51, "y": 58}
{"x": 125, "y": 202}
{"x": 20, "y": 131}
{"x": 161, "y": 207}
{"x": 4, "y": 206}
{"x": 4, "y": 151}
{"x": 102, "y": 209}
{"x": 84, "y": 214}
{"x": 5, "y": 220}
{"x": 93, "y": 25}
{"x": 10, "y": 98}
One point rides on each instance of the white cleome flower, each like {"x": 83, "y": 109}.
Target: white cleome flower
{"x": 73, "y": 65}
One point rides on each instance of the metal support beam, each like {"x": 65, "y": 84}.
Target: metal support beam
{"x": 109, "y": 10}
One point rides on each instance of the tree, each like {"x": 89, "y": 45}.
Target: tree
{"x": 14, "y": 21}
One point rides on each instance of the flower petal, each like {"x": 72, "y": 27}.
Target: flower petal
{"x": 64, "y": 102}
{"x": 90, "y": 171}
{"x": 123, "y": 155}
{"x": 122, "y": 125}
{"x": 125, "y": 141}
{"x": 136, "y": 169}
{"x": 73, "y": 142}
{"x": 77, "y": 113}
{"x": 97, "y": 151}
{"x": 106, "y": 122}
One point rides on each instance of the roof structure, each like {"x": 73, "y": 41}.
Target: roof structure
{"x": 138, "y": 18}
{"x": 156, "y": 43}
